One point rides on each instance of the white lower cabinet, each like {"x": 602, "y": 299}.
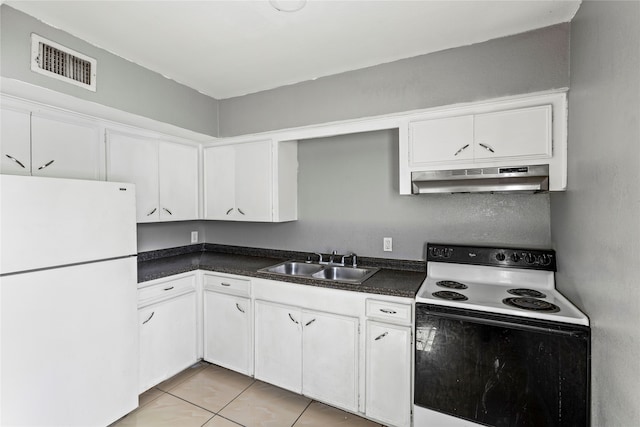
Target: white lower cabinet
{"x": 278, "y": 341}
{"x": 308, "y": 352}
{"x": 330, "y": 358}
{"x": 167, "y": 326}
{"x": 388, "y": 373}
{"x": 227, "y": 331}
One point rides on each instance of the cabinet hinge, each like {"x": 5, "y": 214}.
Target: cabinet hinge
{"x": 358, "y": 329}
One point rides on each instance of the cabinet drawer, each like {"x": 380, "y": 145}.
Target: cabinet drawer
{"x": 226, "y": 284}
{"x": 166, "y": 289}
{"x": 389, "y": 311}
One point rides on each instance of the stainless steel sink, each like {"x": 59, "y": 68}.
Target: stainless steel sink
{"x": 294, "y": 268}
{"x": 345, "y": 274}
{"x": 331, "y": 273}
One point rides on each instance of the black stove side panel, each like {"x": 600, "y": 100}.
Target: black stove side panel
{"x": 501, "y": 374}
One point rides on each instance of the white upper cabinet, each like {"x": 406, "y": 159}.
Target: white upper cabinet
{"x": 251, "y": 181}
{"x": 442, "y": 140}
{"x": 178, "y": 172}
{"x": 519, "y": 133}
{"x": 15, "y": 142}
{"x": 65, "y": 147}
{"x": 165, "y": 174}
{"x": 53, "y": 144}
{"x": 525, "y": 132}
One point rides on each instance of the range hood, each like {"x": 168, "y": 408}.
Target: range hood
{"x": 533, "y": 178}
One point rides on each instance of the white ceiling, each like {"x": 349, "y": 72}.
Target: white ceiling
{"x": 231, "y": 48}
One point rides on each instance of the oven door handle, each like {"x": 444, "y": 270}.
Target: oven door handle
{"x": 577, "y": 332}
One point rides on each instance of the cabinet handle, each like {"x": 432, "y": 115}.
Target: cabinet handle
{"x": 229, "y": 211}
{"x": 169, "y": 288}
{"x": 486, "y": 147}
{"x": 16, "y": 160}
{"x": 225, "y": 284}
{"x": 167, "y": 211}
{"x": 379, "y": 337}
{"x": 387, "y": 311}
{"x": 240, "y": 210}
{"x": 239, "y": 308}
{"x": 292, "y": 319}
{"x": 46, "y": 164}
{"x": 152, "y": 211}
{"x": 461, "y": 149}
{"x": 309, "y": 322}
{"x": 152, "y": 313}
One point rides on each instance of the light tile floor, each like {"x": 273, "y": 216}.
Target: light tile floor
{"x": 206, "y": 395}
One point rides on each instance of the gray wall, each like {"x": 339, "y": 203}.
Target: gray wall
{"x": 120, "y": 84}
{"x": 348, "y": 201}
{"x": 168, "y": 234}
{"x": 595, "y": 224}
{"x": 528, "y": 62}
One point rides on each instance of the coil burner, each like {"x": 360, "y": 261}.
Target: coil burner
{"x": 522, "y": 292}
{"x": 451, "y": 284}
{"x": 532, "y": 304}
{"x": 450, "y": 295}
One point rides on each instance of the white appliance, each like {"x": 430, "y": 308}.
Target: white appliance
{"x": 69, "y": 340}
{"x": 496, "y": 343}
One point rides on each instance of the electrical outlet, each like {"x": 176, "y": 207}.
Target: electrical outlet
{"x": 387, "y": 244}
{"x": 194, "y": 237}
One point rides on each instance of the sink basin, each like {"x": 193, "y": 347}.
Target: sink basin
{"x": 345, "y": 274}
{"x": 331, "y": 273}
{"x": 293, "y": 268}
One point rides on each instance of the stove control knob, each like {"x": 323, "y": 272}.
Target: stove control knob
{"x": 500, "y": 256}
{"x": 529, "y": 258}
{"x": 515, "y": 257}
{"x": 544, "y": 259}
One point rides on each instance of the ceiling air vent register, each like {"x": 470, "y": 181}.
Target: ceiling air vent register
{"x": 57, "y": 61}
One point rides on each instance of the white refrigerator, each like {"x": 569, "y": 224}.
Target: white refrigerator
{"x": 69, "y": 340}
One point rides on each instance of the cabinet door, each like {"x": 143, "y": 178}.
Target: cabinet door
{"x": 441, "y": 140}
{"x": 227, "y": 331}
{"x": 525, "y": 132}
{"x": 135, "y": 159}
{"x": 278, "y": 341}
{"x": 167, "y": 339}
{"x": 220, "y": 182}
{"x": 15, "y": 142}
{"x": 65, "y": 148}
{"x": 178, "y": 171}
{"x": 388, "y": 373}
{"x": 254, "y": 181}
{"x": 330, "y": 359}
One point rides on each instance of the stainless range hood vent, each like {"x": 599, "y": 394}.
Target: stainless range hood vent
{"x": 534, "y": 178}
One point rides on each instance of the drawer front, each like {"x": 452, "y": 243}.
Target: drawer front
{"x": 389, "y": 311}
{"x": 226, "y": 284}
{"x": 166, "y": 289}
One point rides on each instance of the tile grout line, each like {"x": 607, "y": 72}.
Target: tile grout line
{"x": 238, "y": 395}
{"x": 303, "y": 411}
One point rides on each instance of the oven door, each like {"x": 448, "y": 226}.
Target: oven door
{"x": 501, "y": 370}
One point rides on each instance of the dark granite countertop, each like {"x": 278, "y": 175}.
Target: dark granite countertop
{"x": 396, "y": 277}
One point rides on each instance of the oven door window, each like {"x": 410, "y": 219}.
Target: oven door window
{"x": 501, "y": 370}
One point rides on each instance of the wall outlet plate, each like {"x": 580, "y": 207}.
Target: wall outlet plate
{"x": 194, "y": 237}
{"x": 387, "y": 244}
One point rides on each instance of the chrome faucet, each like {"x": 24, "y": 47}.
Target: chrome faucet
{"x": 347, "y": 256}
{"x": 319, "y": 257}
{"x": 331, "y": 258}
